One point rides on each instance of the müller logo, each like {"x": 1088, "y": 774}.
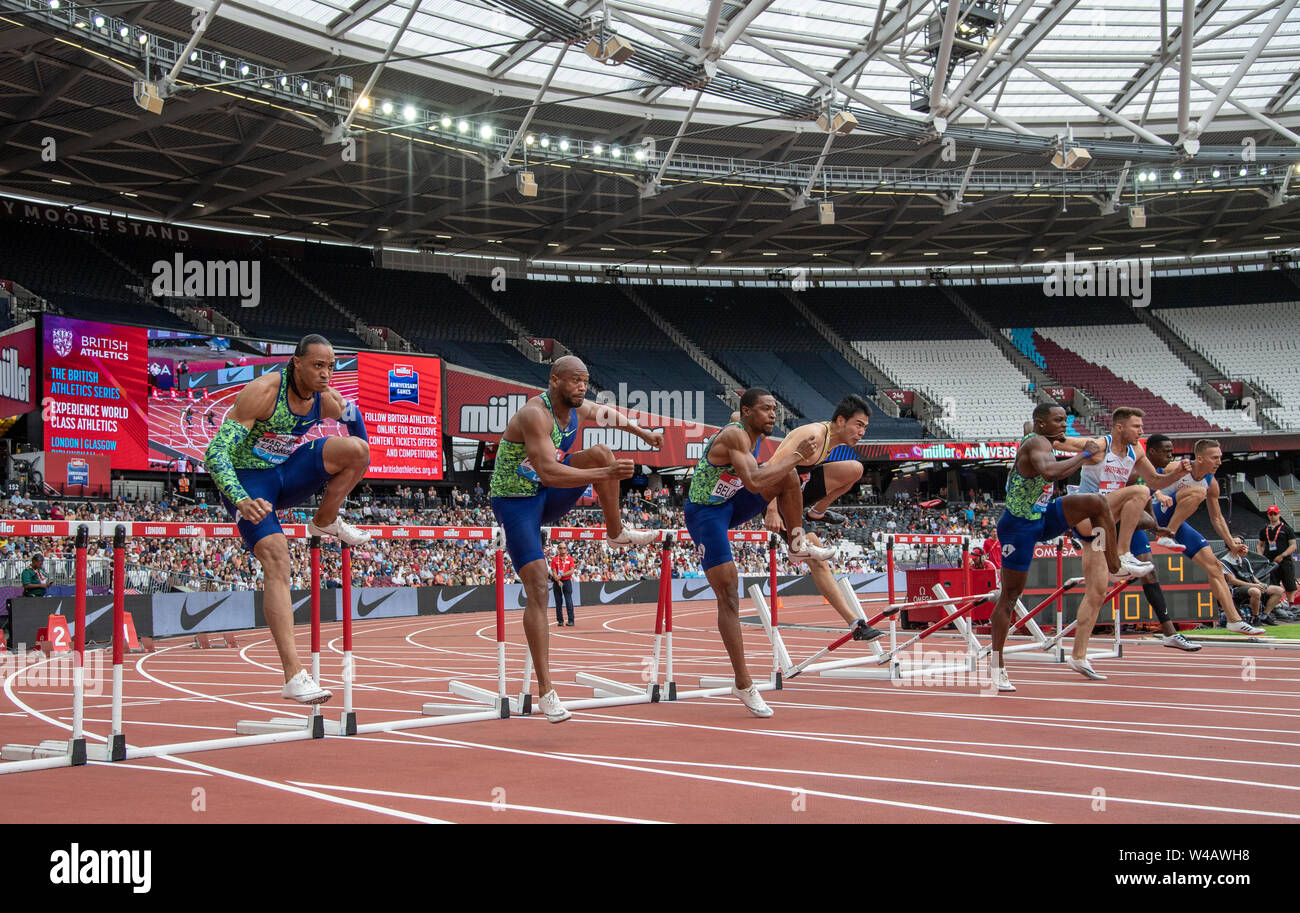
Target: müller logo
{"x": 403, "y": 385}
{"x": 15, "y": 379}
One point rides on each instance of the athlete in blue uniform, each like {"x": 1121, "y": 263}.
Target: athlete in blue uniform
{"x": 728, "y": 488}
{"x": 257, "y": 463}
{"x": 538, "y": 479}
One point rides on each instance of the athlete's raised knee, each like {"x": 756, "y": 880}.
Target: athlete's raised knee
{"x": 600, "y": 454}
{"x": 360, "y": 454}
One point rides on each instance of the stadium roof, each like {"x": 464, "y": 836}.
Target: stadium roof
{"x": 939, "y": 169}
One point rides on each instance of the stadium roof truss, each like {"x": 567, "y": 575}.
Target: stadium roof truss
{"x": 701, "y": 148}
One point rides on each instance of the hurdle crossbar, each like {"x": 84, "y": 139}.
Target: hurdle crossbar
{"x": 1042, "y": 648}
{"x": 891, "y": 663}
{"x": 895, "y": 657}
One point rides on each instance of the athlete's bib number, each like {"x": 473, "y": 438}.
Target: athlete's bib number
{"x": 528, "y": 472}
{"x": 727, "y": 486}
{"x": 275, "y": 448}
{"x": 1111, "y": 486}
{"x": 1046, "y": 497}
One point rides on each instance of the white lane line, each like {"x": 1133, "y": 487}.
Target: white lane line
{"x": 869, "y": 742}
{"x": 1086, "y": 797}
{"x": 539, "y": 809}
{"x": 731, "y": 781}
{"x": 260, "y": 781}
{"x": 1103, "y": 726}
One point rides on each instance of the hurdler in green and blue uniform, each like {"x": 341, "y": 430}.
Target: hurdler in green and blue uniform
{"x": 260, "y": 465}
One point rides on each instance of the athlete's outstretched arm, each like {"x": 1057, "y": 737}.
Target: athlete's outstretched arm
{"x": 761, "y": 478}
{"x": 1045, "y": 464}
{"x": 608, "y": 416}
{"x": 536, "y": 426}
{"x": 1153, "y": 477}
{"x": 1077, "y": 444}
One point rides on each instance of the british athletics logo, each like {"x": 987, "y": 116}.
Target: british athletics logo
{"x": 403, "y": 385}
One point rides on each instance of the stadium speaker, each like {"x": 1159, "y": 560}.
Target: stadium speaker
{"x": 1137, "y": 217}
{"x": 1074, "y": 159}
{"x": 147, "y": 97}
{"x": 614, "y": 51}
{"x": 841, "y": 122}
{"x": 618, "y": 50}
{"x": 526, "y": 183}
{"x": 826, "y": 213}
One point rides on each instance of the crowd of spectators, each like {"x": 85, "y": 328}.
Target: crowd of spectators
{"x": 220, "y": 564}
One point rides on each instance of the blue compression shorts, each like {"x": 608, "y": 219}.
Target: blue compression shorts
{"x": 1191, "y": 541}
{"x": 291, "y": 483}
{"x": 522, "y": 519}
{"x": 708, "y": 524}
{"x": 1019, "y": 536}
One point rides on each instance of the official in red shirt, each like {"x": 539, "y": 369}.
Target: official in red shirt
{"x": 562, "y": 583}
{"x": 993, "y": 550}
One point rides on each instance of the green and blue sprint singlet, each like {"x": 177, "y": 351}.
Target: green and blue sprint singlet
{"x": 514, "y": 476}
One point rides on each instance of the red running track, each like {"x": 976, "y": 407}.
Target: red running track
{"x": 1170, "y": 738}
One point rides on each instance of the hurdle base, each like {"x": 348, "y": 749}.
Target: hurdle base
{"x": 49, "y": 748}
{"x": 315, "y": 724}
{"x": 723, "y": 691}
{"x": 73, "y": 750}
{"x": 717, "y": 681}
{"x": 115, "y": 747}
{"x": 1054, "y": 655}
{"x": 347, "y": 724}
{"x": 489, "y": 700}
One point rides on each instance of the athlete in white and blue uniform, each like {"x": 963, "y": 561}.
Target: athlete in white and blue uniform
{"x": 1114, "y": 475}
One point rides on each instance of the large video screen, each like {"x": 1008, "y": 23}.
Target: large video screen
{"x": 399, "y": 395}
{"x": 108, "y": 393}
{"x": 401, "y": 399}
{"x": 96, "y": 388}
